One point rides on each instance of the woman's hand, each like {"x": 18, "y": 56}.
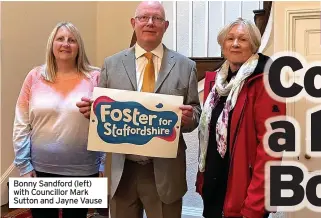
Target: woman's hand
{"x": 101, "y": 174}
{"x": 30, "y": 174}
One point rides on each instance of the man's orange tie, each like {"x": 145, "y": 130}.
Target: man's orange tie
{"x": 149, "y": 74}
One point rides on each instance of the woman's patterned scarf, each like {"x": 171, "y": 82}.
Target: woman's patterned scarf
{"x": 222, "y": 88}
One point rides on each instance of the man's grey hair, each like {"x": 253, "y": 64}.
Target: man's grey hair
{"x": 136, "y": 11}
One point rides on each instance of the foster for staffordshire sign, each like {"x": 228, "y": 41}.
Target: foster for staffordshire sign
{"x": 132, "y": 122}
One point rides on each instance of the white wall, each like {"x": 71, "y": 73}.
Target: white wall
{"x": 194, "y": 25}
{"x": 114, "y": 31}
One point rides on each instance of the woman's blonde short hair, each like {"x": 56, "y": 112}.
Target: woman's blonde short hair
{"x": 253, "y": 31}
{"x": 82, "y": 62}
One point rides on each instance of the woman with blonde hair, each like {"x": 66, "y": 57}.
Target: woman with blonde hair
{"x": 49, "y": 133}
{"x": 232, "y": 126}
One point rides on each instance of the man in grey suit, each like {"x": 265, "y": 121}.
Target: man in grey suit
{"x": 156, "y": 185}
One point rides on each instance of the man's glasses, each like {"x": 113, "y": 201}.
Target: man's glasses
{"x": 145, "y": 19}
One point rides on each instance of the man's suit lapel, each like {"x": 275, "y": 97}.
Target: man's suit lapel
{"x": 129, "y": 62}
{"x": 168, "y": 62}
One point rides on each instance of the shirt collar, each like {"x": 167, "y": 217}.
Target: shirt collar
{"x": 158, "y": 51}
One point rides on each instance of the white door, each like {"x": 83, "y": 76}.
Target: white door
{"x": 297, "y": 28}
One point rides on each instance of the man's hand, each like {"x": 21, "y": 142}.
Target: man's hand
{"x": 85, "y": 106}
{"x": 187, "y": 114}
{"x": 101, "y": 174}
{"x": 30, "y": 174}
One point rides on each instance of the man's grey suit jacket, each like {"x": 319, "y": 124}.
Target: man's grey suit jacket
{"x": 177, "y": 76}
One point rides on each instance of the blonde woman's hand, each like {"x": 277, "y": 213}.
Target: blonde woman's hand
{"x": 30, "y": 174}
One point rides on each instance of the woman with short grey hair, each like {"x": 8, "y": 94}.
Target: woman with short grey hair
{"x": 253, "y": 32}
{"x": 232, "y": 126}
